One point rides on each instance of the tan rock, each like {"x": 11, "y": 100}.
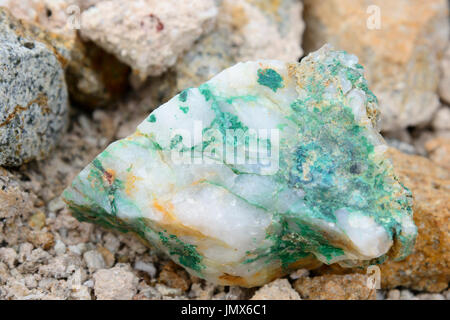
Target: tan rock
{"x": 246, "y": 30}
{"x": 86, "y": 4}
{"x": 108, "y": 256}
{"x": 441, "y": 121}
{"x": 444, "y": 85}
{"x": 148, "y": 35}
{"x": 335, "y": 287}
{"x": 50, "y": 14}
{"x": 13, "y": 200}
{"x": 439, "y": 151}
{"x": 401, "y": 58}
{"x": 428, "y": 267}
{"x": 37, "y": 220}
{"x": 60, "y": 267}
{"x": 175, "y": 277}
{"x": 279, "y": 289}
{"x": 41, "y": 238}
{"x": 16, "y": 205}
{"x": 8, "y": 256}
{"x": 118, "y": 283}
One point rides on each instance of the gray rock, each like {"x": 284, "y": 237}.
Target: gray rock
{"x": 33, "y": 97}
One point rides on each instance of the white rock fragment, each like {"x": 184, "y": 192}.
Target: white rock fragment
{"x": 299, "y": 273}
{"x": 8, "y": 256}
{"x": 442, "y": 118}
{"x": 148, "y": 35}
{"x": 60, "y": 247}
{"x": 146, "y": 267}
{"x": 112, "y": 243}
{"x": 61, "y": 267}
{"x": 279, "y": 289}
{"x": 118, "y": 283}
{"x": 94, "y": 260}
{"x": 78, "y": 249}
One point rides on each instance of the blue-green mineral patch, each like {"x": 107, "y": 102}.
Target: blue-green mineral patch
{"x": 270, "y": 78}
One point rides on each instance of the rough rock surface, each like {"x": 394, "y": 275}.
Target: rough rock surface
{"x": 148, "y": 35}
{"x": 246, "y": 30}
{"x": 94, "y": 77}
{"x": 118, "y": 283}
{"x": 37, "y": 186}
{"x": 335, "y": 287}
{"x": 279, "y": 289}
{"x": 308, "y": 203}
{"x": 174, "y": 277}
{"x": 439, "y": 151}
{"x": 402, "y": 57}
{"x": 444, "y": 85}
{"x": 441, "y": 121}
{"x": 13, "y": 200}
{"x": 33, "y": 96}
{"x": 428, "y": 267}
{"x": 50, "y": 14}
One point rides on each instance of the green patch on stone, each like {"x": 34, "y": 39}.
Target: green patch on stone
{"x": 270, "y": 78}
{"x": 183, "y": 95}
{"x": 176, "y": 141}
{"x": 109, "y": 183}
{"x": 152, "y": 118}
{"x": 224, "y": 120}
{"x": 188, "y": 255}
{"x": 185, "y": 110}
{"x": 95, "y": 214}
{"x": 292, "y": 240}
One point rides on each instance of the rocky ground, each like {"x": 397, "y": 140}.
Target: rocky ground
{"x": 47, "y": 254}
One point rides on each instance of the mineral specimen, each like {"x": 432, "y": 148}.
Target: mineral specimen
{"x": 266, "y": 168}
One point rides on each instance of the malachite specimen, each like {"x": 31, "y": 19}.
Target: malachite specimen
{"x": 266, "y": 168}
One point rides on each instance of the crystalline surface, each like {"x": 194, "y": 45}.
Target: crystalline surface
{"x": 300, "y": 179}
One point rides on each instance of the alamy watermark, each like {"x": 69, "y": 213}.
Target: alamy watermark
{"x": 373, "y": 278}
{"x": 257, "y": 148}
{"x": 373, "y": 22}
{"x": 74, "y": 17}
